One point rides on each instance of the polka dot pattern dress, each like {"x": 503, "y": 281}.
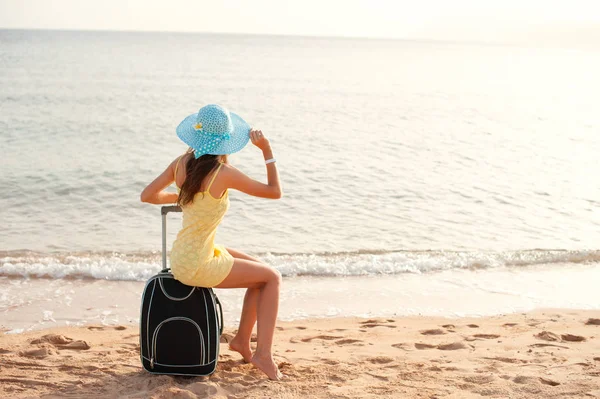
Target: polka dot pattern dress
{"x": 195, "y": 258}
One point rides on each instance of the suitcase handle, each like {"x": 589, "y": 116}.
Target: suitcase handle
{"x": 164, "y": 210}
{"x": 169, "y": 208}
{"x": 220, "y": 314}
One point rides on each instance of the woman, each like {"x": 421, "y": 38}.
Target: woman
{"x": 203, "y": 177}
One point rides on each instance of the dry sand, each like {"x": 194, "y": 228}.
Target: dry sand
{"x": 544, "y": 354}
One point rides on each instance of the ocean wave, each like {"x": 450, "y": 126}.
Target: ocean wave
{"x": 139, "y": 266}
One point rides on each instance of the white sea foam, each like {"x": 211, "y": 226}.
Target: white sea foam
{"x": 141, "y": 266}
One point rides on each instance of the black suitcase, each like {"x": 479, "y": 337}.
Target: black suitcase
{"x": 180, "y": 326}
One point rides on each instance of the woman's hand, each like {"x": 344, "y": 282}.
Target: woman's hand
{"x": 259, "y": 140}
{"x": 239, "y": 181}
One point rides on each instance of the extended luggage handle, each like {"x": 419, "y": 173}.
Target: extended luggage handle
{"x": 220, "y": 315}
{"x": 164, "y": 210}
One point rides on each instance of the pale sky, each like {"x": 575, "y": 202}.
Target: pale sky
{"x": 478, "y": 20}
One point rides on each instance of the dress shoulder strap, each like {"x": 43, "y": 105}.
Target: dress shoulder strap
{"x": 214, "y": 176}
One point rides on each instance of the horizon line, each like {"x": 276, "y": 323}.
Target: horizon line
{"x": 282, "y": 35}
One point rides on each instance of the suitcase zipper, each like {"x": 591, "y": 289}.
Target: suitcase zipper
{"x": 155, "y": 336}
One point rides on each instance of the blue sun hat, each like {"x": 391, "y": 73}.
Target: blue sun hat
{"x": 214, "y": 130}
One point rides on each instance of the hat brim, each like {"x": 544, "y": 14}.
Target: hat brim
{"x": 237, "y": 140}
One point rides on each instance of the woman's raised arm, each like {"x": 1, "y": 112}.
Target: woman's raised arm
{"x": 154, "y": 193}
{"x": 237, "y": 180}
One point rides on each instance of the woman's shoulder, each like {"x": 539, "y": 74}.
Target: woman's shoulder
{"x": 184, "y": 157}
{"x": 181, "y": 160}
{"x": 228, "y": 170}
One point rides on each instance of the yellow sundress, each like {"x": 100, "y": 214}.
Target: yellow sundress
{"x": 195, "y": 259}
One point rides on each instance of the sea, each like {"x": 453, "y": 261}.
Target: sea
{"x": 419, "y": 177}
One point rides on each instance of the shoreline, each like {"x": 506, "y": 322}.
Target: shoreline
{"x": 452, "y": 293}
{"x": 548, "y": 353}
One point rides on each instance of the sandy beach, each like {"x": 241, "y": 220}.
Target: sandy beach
{"x": 549, "y": 354}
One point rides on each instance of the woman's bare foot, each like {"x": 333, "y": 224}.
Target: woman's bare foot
{"x": 242, "y": 347}
{"x": 267, "y": 366}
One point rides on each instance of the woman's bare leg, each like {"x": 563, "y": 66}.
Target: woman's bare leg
{"x": 249, "y": 274}
{"x": 241, "y": 342}
{"x": 241, "y": 255}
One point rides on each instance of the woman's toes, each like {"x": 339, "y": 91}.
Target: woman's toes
{"x": 267, "y": 366}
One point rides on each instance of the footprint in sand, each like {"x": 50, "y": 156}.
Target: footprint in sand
{"x": 546, "y": 345}
{"x": 443, "y": 347}
{"x": 61, "y": 342}
{"x": 338, "y": 379}
{"x": 424, "y": 346}
{"x": 449, "y": 326}
{"x": 52, "y": 339}
{"x": 479, "y": 379}
{"x": 523, "y": 379}
{"x": 572, "y": 338}
{"x": 380, "y": 360}
{"x": 301, "y": 328}
{"x": 39, "y": 353}
{"x": 472, "y": 326}
{"x": 103, "y": 328}
{"x": 547, "y": 336}
{"x": 371, "y": 325}
{"x": 3, "y": 351}
{"x": 550, "y": 336}
{"x": 547, "y": 381}
{"x": 379, "y": 377}
{"x": 76, "y": 345}
{"x": 369, "y": 321}
{"x": 509, "y": 324}
{"x": 453, "y": 346}
{"x": 435, "y": 331}
{"x": 323, "y": 337}
{"x": 487, "y": 336}
{"x": 402, "y": 346}
{"x": 348, "y": 341}
{"x": 529, "y": 380}
{"x": 376, "y": 323}
{"x": 592, "y": 322}
{"x": 506, "y": 360}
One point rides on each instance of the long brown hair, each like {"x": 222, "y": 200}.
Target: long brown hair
{"x": 196, "y": 170}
